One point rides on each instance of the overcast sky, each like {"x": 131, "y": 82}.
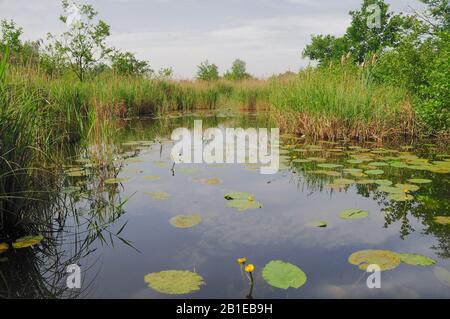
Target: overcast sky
{"x": 268, "y": 34}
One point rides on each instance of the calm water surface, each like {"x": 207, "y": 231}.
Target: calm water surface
{"x": 299, "y": 194}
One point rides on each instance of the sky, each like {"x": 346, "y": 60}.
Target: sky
{"x": 268, "y": 34}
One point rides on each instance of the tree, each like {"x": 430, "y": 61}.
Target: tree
{"x": 325, "y": 48}
{"x": 207, "y": 71}
{"x": 238, "y": 71}
{"x": 127, "y": 64}
{"x": 11, "y": 34}
{"x": 84, "y": 44}
{"x": 373, "y": 29}
{"x": 438, "y": 15}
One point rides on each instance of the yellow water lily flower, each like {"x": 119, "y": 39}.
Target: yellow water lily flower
{"x": 250, "y": 199}
{"x": 242, "y": 261}
{"x": 249, "y": 268}
{"x": 406, "y": 191}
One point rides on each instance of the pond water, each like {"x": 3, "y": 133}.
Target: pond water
{"x": 121, "y": 230}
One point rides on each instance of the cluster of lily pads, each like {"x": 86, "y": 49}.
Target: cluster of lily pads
{"x": 20, "y": 243}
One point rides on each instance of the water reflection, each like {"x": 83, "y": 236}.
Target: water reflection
{"x": 102, "y": 213}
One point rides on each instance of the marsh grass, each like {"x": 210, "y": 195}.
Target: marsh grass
{"x": 341, "y": 102}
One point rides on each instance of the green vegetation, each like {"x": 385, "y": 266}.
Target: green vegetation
{"x": 373, "y": 83}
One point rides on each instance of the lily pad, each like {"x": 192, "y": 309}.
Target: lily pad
{"x": 331, "y": 166}
{"x": 209, "y": 181}
{"x": 374, "y": 172}
{"x": 283, "y": 275}
{"x": 186, "y": 221}
{"x": 344, "y": 181}
{"x": 243, "y": 205}
{"x": 378, "y": 164}
{"x": 365, "y": 182}
{"x": 385, "y": 259}
{"x": 158, "y": 195}
{"x": 160, "y": 164}
{"x": 391, "y": 190}
{"x": 416, "y": 260}
{"x": 354, "y": 214}
{"x": 3, "y": 247}
{"x": 408, "y": 187}
{"x": 238, "y": 195}
{"x": 174, "y": 282}
{"x": 383, "y": 182}
{"x": 113, "y": 181}
{"x": 420, "y": 181}
{"x": 301, "y": 161}
{"x": 27, "y": 241}
{"x": 355, "y": 161}
{"x": 443, "y": 220}
{"x": 399, "y": 197}
{"x": 443, "y": 275}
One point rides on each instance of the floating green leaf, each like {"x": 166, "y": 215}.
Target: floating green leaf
{"x": 186, "y": 221}
{"x": 27, "y": 241}
{"x": 400, "y": 197}
{"x": 174, "y": 282}
{"x": 383, "y": 182}
{"x": 283, "y": 275}
{"x": 443, "y": 220}
{"x": 355, "y": 161}
{"x": 354, "y": 214}
{"x": 344, "y": 181}
{"x": 416, "y": 260}
{"x": 238, "y": 195}
{"x": 391, "y": 190}
{"x": 408, "y": 187}
{"x": 301, "y": 161}
{"x": 158, "y": 195}
{"x": 113, "y": 181}
{"x": 385, "y": 259}
{"x": 378, "y": 164}
{"x": 420, "y": 181}
{"x": 374, "y": 172}
{"x": 244, "y": 204}
{"x": 160, "y": 164}
{"x": 443, "y": 275}
{"x": 331, "y": 166}
{"x": 3, "y": 247}
{"x": 365, "y": 182}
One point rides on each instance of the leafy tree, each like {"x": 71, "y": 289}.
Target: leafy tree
{"x": 11, "y": 34}
{"x": 438, "y": 14}
{"x": 363, "y": 36}
{"x": 84, "y": 44}
{"x": 238, "y": 71}
{"x": 326, "y": 47}
{"x": 165, "y": 73}
{"x": 207, "y": 71}
{"x": 126, "y": 63}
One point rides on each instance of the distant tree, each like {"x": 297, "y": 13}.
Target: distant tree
{"x": 165, "y": 73}
{"x": 11, "y": 34}
{"x": 238, "y": 71}
{"x": 84, "y": 44}
{"x": 126, "y": 63}
{"x": 207, "y": 72}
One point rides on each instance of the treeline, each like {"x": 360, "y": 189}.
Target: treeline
{"x": 408, "y": 51}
